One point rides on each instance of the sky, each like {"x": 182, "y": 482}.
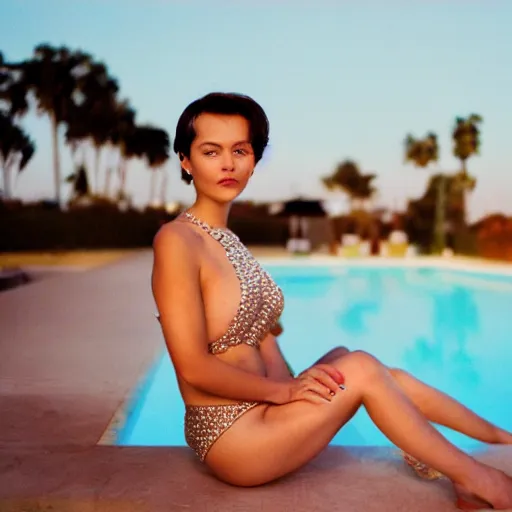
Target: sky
{"x": 337, "y": 79}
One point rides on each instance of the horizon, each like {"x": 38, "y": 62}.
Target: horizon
{"x": 348, "y": 82}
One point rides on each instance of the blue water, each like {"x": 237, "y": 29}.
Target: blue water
{"x": 449, "y": 328}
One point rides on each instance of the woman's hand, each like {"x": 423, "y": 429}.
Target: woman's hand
{"x": 318, "y": 384}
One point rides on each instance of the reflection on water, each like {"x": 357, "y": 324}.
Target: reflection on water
{"x": 454, "y": 320}
{"x": 437, "y": 320}
{"x": 363, "y": 296}
{"x": 353, "y": 320}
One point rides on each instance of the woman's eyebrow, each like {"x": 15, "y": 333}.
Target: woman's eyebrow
{"x": 210, "y": 144}
{"x": 218, "y": 145}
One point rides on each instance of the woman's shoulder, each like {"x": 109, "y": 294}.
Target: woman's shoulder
{"x": 175, "y": 238}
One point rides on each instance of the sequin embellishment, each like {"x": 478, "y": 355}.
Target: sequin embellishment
{"x": 204, "y": 424}
{"x": 261, "y": 301}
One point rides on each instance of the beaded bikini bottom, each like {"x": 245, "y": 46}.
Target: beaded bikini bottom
{"x": 204, "y": 424}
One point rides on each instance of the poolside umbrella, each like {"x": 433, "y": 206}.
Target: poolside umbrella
{"x": 302, "y": 208}
{"x": 297, "y": 211}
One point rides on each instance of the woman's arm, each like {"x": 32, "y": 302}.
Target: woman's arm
{"x": 277, "y": 367}
{"x": 177, "y": 292}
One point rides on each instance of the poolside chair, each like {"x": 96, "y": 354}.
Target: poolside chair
{"x": 350, "y": 246}
{"x": 397, "y": 245}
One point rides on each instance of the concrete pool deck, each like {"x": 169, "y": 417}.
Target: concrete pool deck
{"x": 73, "y": 346}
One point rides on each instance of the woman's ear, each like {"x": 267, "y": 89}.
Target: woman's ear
{"x": 185, "y": 162}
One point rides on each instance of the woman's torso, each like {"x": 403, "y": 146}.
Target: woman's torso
{"x": 238, "y": 297}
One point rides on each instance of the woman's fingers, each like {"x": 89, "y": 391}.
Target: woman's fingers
{"x": 319, "y": 383}
{"x": 313, "y": 397}
{"x": 312, "y": 384}
{"x": 333, "y": 372}
{"x": 325, "y": 378}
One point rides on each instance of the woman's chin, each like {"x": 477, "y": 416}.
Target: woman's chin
{"x": 226, "y": 196}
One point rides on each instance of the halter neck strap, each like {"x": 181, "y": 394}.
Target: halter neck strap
{"x": 204, "y": 225}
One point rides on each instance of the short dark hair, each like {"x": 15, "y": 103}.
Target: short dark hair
{"x": 226, "y": 104}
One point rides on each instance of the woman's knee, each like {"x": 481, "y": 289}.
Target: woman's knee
{"x": 399, "y": 374}
{"x": 337, "y": 353}
{"x": 360, "y": 364}
{"x": 333, "y": 355}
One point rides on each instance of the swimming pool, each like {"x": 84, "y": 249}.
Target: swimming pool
{"x": 448, "y": 327}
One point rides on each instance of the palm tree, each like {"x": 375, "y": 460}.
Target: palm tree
{"x": 80, "y": 183}
{"x": 122, "y": 129}
{"x": 16, "y": 150}
{"x": 52, "y": 76}
{"x": 157, "y": 145}
{"x": 132, "y": 145}
{"x": 126, "y": 136}
{"x": 348, "y": 178}
{"x": 422, "y": 153}
{"x": 13, "y": 93}
{"x": 99, "y": 111}
{"x": 422, "y": 213}
{"x": 364, "y": 189}
{"x": 148, "y": 142}
{"x": 100, "y": 119}
{"x": 466, "y": 143}
{"x": 76, "y": 136}
{"x": 358, "y": 186}
{"x": 75, "y": 91}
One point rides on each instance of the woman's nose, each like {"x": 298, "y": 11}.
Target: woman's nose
{"x": 228, "y": 162}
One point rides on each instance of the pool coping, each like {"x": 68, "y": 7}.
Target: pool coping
{"x": 453, "y": 263}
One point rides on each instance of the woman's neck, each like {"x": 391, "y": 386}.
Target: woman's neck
{"x": 213, "y": 214}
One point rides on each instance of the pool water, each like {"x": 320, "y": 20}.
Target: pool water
{"x": 449, "y": 328}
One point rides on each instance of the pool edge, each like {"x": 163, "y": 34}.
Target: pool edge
{"x": 111, "y": 434}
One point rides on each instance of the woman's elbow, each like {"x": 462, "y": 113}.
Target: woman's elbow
{"x": 192, "y": 373}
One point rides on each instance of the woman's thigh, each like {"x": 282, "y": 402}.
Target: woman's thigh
{"x": 271, "y": 441}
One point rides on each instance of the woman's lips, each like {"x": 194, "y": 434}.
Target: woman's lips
{"x": 228, "y": 182}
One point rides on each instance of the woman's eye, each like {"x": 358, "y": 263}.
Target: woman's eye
{"x": 209, "y": 153}
{"x": 240, "y": 151}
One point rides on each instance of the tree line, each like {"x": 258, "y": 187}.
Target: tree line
{"x": 78, "y": 95}
{"x": 422, "y": 153}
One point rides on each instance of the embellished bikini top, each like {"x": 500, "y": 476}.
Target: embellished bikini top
{"x": 261, "y": 302}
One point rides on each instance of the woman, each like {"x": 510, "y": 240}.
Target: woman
{"x": 246, "y": 417}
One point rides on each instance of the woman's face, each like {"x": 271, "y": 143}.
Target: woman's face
{"x": 221, "y": 156}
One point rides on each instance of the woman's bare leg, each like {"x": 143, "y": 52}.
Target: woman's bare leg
{"x": 290, "y": 435}
{"x": 401, "y": 421}
{"x": 441, "y": 408}
{"x": 437, "y": 406}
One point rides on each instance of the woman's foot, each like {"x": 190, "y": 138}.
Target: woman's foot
{"x": 493, "y": 493}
